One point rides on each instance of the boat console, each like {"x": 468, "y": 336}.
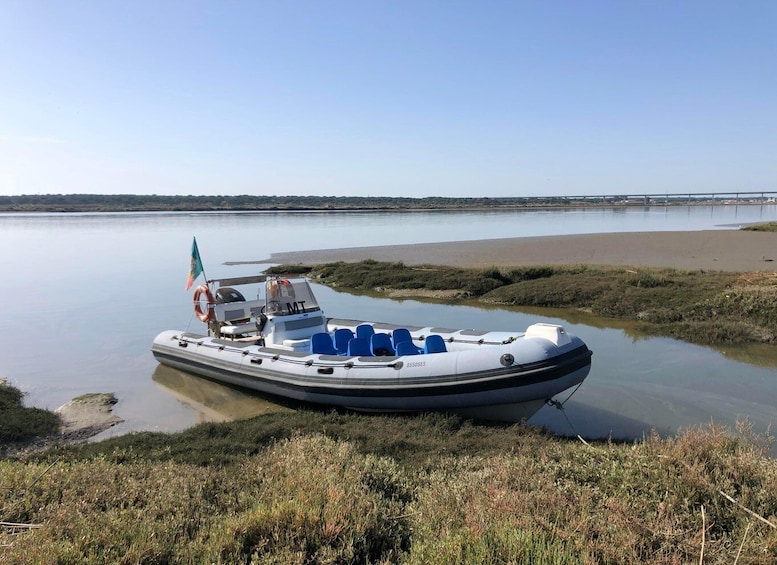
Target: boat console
{"x": 285, "y": 313}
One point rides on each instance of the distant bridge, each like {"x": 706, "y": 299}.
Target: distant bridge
{"x": 688, "y": 199}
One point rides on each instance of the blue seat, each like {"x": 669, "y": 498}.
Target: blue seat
{"x": 402, "y": 335}
{"x": 434, "y": 344}
{"x": 380, "y": 345}
{"x": 407, "y": 348}
{"x": 365, "y": 331}
{"x": 360, "y": 347}
{"x": 321, "y": 343}
{"x": 341, "y": 338}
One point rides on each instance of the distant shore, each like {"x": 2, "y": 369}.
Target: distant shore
{"x": 118, "y": 203}
{"x": 717, "y": 250}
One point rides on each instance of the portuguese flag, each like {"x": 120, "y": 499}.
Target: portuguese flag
{"x": 196, "y": 265}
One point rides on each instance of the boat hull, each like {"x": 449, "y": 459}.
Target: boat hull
{"x": 509, "y": 381}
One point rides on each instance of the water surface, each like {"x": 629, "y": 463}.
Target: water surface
{"x": 84, "y": 295}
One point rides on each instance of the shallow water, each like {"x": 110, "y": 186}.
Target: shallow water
{"x": 86, "y": 293}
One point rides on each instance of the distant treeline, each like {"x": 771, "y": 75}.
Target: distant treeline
{"x": 147, "y": 203}
{"x": 191, "y": 203}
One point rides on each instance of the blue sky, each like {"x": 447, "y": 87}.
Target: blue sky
{"x": 382, "y": 98}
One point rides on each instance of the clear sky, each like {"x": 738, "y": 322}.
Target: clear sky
{"x": 387, "y": 97}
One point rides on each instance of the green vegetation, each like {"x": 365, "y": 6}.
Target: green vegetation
{"x": 246, "y": 202}
{"x": 771, "y": 226}
{"x": 323, "y": 487}
{"x": 18, "y": 423}
{"x": 144, "y": 203}
{"x": 696, "y": 306}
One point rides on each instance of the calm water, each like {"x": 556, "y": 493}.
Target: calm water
{"x": 84, "y": 295}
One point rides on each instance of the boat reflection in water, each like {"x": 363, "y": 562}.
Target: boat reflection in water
{"x": 214, "y": 402}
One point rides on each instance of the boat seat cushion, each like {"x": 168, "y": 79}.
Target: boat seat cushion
{"x": 407, "y": 348}
{"x": 434, "y": 344}
{"x": 341, "y": 338}
{"x": 402, "y": 335}
{"x": 239, "y": 329}
{"x": 321, "y": 343}
{"x": 365, "y": 331}
{"x": 380, "y": 345}
{"x": 359, "y": 347}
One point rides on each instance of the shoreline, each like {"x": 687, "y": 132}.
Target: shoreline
{"x": 80, "y": 419}
{"x": 715, "y": 250}
{"x": 111, "y": 203}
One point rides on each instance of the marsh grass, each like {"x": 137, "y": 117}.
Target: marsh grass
{"x": 697, "y": 306}
{"x": 378, "y": 489}
{"x": 769, "y": 226}
{"x": 308, "y": 499}
{"x": 19, "y": 423}
{"x": 411, "y": 441}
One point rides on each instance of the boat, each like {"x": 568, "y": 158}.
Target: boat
{"x": 281, "y": 343}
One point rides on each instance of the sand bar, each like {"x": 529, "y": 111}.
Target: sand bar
{"x": 716, "y": 250}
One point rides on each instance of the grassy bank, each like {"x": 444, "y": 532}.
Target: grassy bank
{"x": 770, "y": 226}
{"x": 18, "y": 423}
{"x": 323, "y": 487}
{"x": 696, "y": 306}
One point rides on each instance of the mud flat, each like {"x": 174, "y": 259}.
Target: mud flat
{"x": 718, "y": 250}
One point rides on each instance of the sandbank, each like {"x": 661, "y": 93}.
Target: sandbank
{"x": 87, "y": 416}
{"x": 715, "y": 250}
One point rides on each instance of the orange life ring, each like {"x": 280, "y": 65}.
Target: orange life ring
{"x": 287, "y": 290}
{"x": 208, "y": 314}
{"x": 281, "y": 288}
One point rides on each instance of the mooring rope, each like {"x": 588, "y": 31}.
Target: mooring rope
{"x": 560, "y": 406}
{"x": 189, "y": 323}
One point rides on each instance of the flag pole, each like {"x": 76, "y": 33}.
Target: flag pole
{"x": 203, "y": 269}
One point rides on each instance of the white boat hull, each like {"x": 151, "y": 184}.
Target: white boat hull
{"x": 488, "y": 375}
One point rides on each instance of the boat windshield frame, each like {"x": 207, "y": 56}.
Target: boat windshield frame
{"x": 288, "y": 297}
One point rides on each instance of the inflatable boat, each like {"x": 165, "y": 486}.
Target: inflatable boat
{"x": 282, "y": 344}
